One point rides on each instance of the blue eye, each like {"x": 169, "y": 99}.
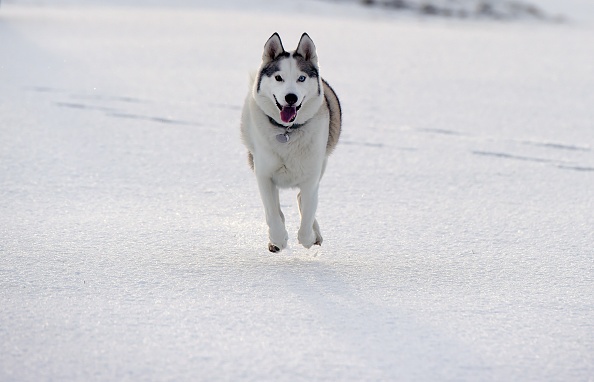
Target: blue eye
{"x": 301, "y": 79}
{"x": 278, "y": 78}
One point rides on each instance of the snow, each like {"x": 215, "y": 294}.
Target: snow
{"x": 456, "y": 211}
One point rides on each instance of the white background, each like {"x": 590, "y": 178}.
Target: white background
{"x": 457, "y": 211}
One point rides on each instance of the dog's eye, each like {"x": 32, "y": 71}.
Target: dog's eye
{"x": 301, "y": 79}
{"x": 278, "y": 78}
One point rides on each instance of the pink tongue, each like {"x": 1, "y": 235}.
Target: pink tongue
{"x": 288, "y": 113}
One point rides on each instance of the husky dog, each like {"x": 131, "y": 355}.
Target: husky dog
{"x": 290, "y": 124}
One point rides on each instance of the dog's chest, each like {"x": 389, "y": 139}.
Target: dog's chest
{"x": 296, "y": 164}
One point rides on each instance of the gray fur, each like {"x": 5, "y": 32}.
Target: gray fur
{"x": 306, "y": 66}
{"x": 270, "y": 68}
{"x": 335, "y": 111}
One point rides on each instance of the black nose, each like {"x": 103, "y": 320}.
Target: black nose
{"x": 291, "y": 98}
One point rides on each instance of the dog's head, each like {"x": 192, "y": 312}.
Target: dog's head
{"x": 289, "y": 83}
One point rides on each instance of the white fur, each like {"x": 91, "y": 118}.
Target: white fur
{"x": 300, "y": 162}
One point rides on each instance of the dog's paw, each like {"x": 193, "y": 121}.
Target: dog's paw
{"x": 319, "y": 238}
{"x": 307, "y": 239}
{"x": 318, "y": 241}
{"x": 278, "y": 240}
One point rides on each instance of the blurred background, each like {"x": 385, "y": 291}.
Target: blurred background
{"x": 555, "y": 10}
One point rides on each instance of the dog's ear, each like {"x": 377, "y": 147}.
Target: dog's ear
{"x": 307, "y": 49}
{"x": 272, "y": 48}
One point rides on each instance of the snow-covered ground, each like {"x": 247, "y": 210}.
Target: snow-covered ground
{"x": 457, "y": 212}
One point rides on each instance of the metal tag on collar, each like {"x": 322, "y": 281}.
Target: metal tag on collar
{"x": 283, "y": 138}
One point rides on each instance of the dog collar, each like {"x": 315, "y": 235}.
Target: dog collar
{"x": 286, "y": 136}
{"x": 276, "y": 124}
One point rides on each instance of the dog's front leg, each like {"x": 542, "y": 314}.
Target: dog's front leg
{"x": 309, "y": 231}
{"x": 275, "y": 219}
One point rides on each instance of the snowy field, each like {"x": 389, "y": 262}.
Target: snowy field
{"x": 457, "y": 211}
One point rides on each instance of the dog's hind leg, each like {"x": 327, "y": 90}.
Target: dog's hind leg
{"x": 275, "y": 219}
{"x": 309, "y": 234}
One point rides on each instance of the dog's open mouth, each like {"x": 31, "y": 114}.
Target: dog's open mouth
{"x": 288, "y": 113}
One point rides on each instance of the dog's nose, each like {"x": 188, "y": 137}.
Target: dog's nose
{"x": 291, "y": 98}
